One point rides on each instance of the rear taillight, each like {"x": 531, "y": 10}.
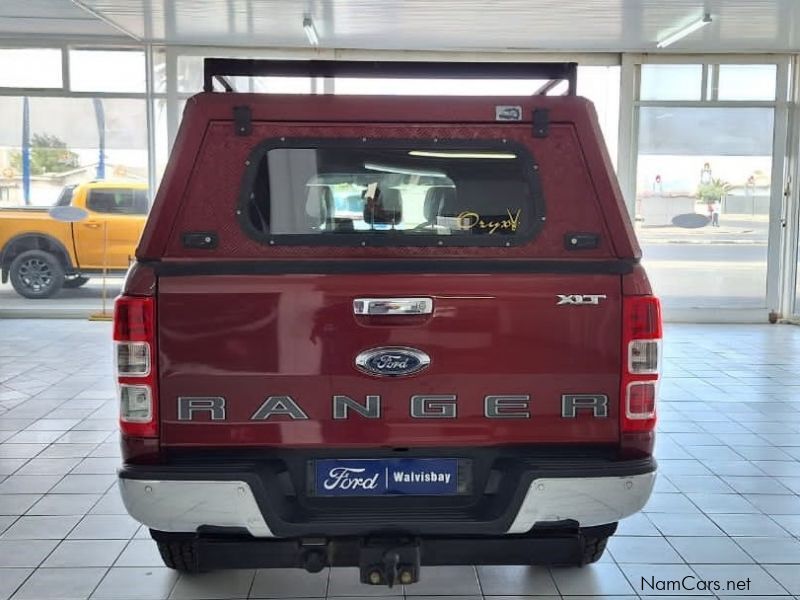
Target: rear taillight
{"x": 135, "y": 356}
{"x": 641, "y": 400}
{"x": 641, "y": 365}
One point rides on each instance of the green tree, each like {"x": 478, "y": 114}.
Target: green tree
{"x": 49, "y": 154}
{"x": 713, "y": 191}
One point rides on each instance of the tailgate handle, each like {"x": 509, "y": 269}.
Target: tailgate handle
{"x": 393, "y": 306}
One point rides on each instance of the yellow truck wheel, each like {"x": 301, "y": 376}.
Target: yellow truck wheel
{"x": 36, "y": 274}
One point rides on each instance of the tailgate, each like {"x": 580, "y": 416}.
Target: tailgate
{"x": 262, "y": 360}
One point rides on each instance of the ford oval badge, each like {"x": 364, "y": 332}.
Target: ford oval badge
{"x": 392, "y": 361}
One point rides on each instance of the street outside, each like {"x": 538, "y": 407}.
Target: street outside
{"x": 723, "y": 266}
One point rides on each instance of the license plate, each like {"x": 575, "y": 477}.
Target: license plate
{"x": 386, "y": 477}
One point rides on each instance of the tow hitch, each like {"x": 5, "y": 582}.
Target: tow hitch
{"x": 389, "y": 561}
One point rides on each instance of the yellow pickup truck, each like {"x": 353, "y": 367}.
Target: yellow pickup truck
{"x": 41, "y": 255}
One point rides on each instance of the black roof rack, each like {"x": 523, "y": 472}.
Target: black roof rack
{"x": 553, "y": 72}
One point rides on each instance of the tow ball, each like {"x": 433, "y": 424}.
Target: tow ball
{"x": 389, "y": 562}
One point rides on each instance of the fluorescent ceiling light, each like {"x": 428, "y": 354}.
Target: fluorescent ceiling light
{"x": 402, "y": 170}
{"x": 683, "y": 32}
{"x": 435, "y": 154}
{"x": 311, "y": 31}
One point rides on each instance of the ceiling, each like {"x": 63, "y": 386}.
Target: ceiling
{"x": 499, "y": 25}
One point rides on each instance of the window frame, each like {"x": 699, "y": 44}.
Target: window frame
{"x": 776, "y": 288}
{"x": 528, "y": 231}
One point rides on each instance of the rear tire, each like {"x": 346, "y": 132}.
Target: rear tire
{"x": 179, "y": 555}
{"x": 75, "y": 282}
{"x": 593, "y": 542}
{"x": 36, "y": 274}
{"x": 593, "y": 548}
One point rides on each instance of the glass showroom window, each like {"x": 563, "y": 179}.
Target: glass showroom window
{"x": 64, "y": 136}
{"x": 746, "y": 82}
{"x": 107, "y": 71}
{"x": 53, "y": 139}
{"x": 671, "y": 82}
{"x": 704, "y": 182}
{"x": 33, "y": 68}
{"x": 71, "y": 141}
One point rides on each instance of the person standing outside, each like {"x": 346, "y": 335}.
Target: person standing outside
{"x": 716, "y": 207}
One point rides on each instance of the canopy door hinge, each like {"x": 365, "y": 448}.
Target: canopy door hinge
{"x": 242, "y": 120}
{"x": 541, "y": 122}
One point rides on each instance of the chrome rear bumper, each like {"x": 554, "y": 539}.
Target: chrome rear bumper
{"x": 588, "y": 500}
{"x": 183, "y": 505}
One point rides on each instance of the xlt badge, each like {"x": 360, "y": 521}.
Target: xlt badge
{"x": 392, "y": 361}
{"x": 590, "y": 299}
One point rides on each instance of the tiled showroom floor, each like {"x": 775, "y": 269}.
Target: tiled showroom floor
{"x": 727, "y": 505}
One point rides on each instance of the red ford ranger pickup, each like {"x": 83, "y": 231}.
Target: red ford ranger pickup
{"x": 386, "y": 332}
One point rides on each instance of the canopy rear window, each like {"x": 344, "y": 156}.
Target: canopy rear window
{"x": 390, "y": 193}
